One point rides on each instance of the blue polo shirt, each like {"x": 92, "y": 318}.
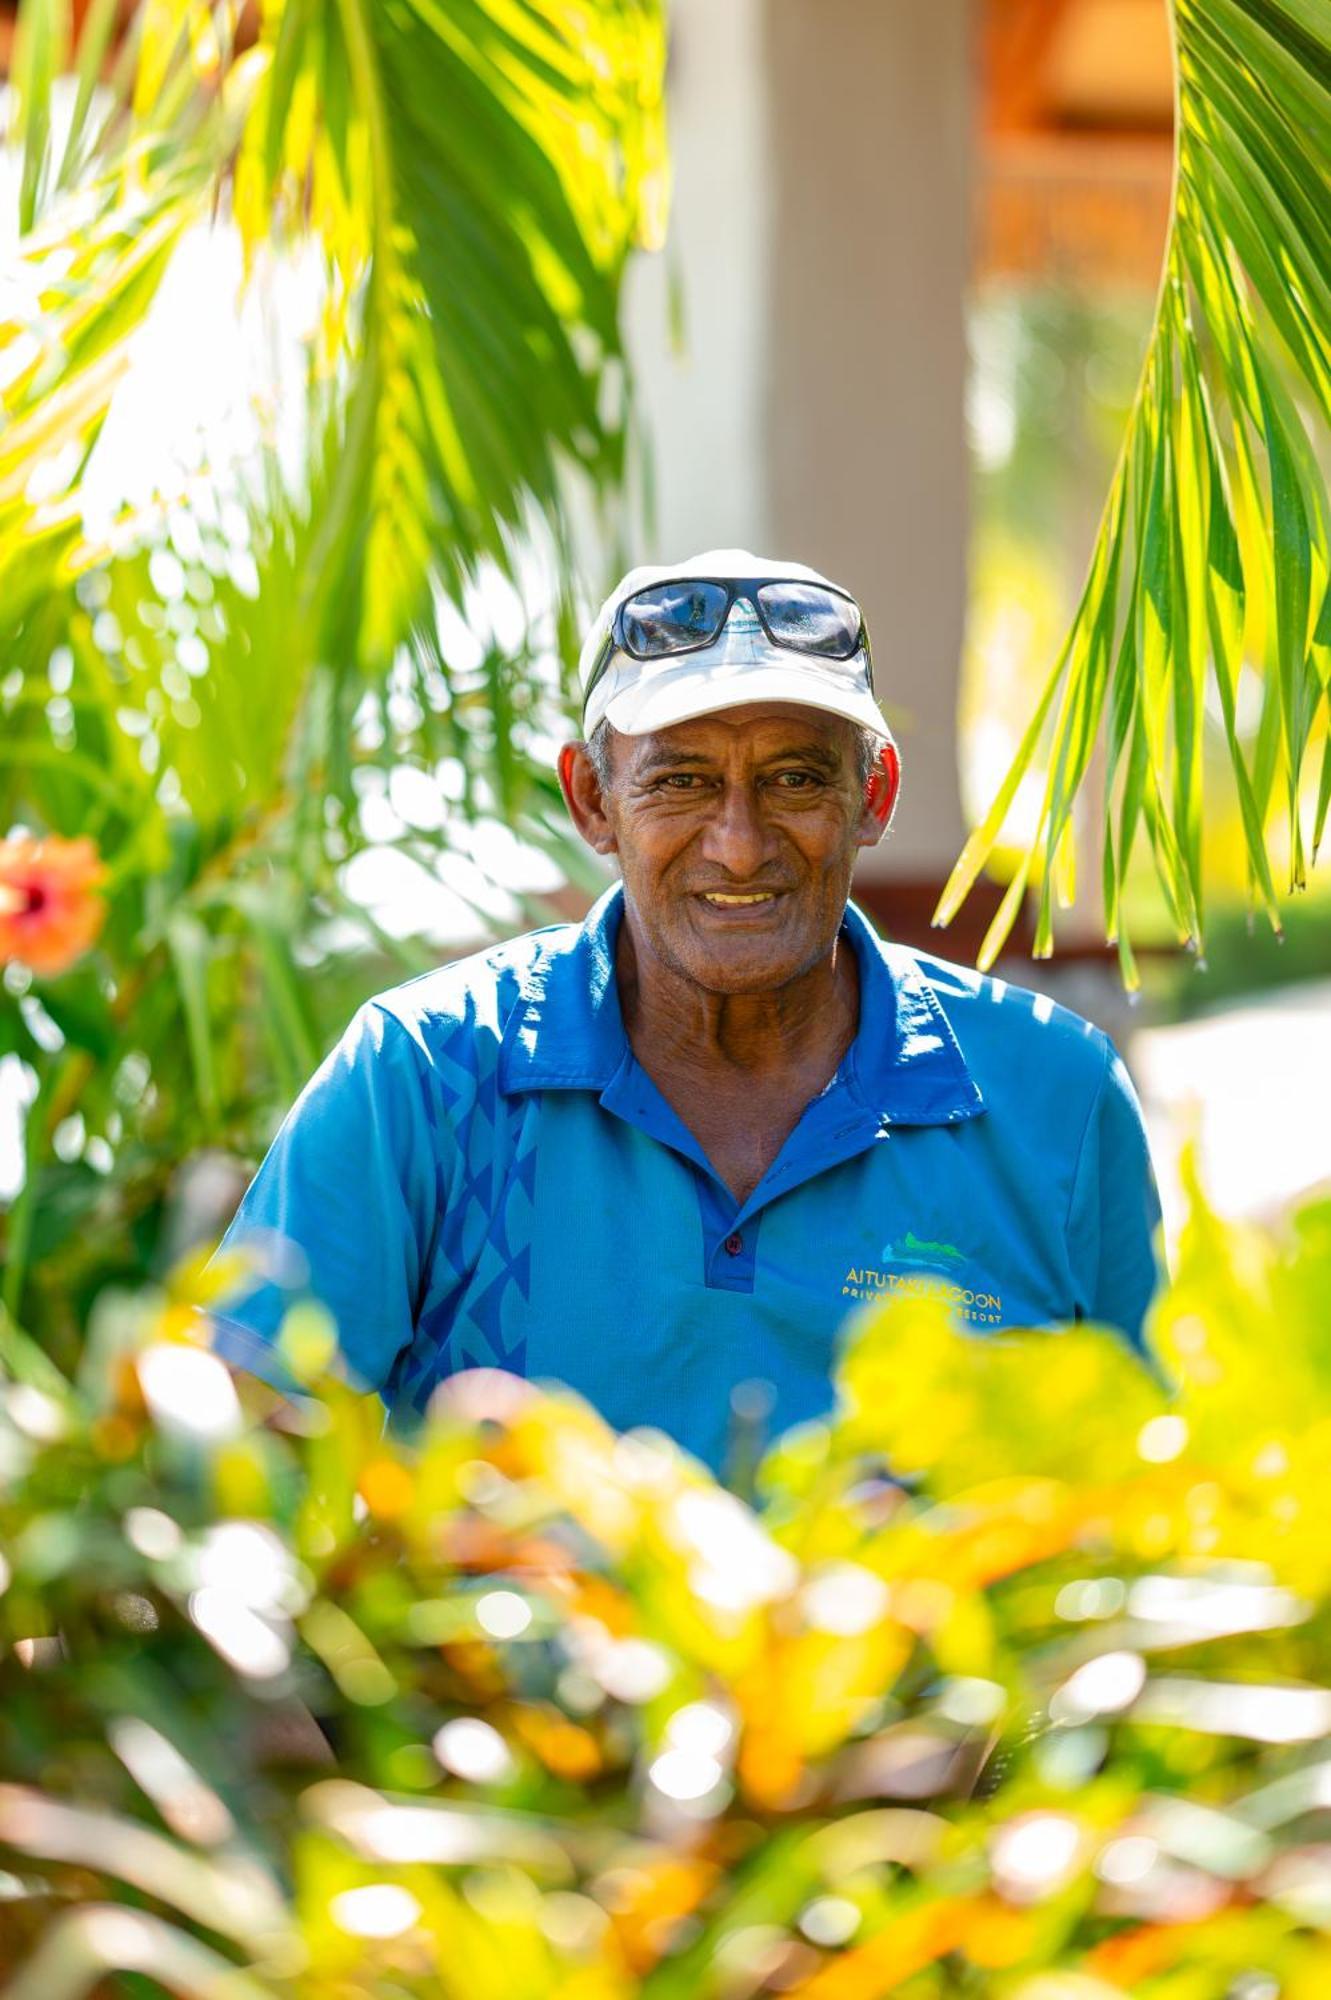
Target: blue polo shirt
{"x": 482, "y": 1175}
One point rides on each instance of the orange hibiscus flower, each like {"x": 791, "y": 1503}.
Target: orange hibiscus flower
{"x": 50, "y": 908}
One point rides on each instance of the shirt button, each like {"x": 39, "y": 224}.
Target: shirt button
{"x": 734, "y": 1243}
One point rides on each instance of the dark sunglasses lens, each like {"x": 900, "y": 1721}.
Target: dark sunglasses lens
{"x": 672, "y": 617}
{"x": 811, "y": 619}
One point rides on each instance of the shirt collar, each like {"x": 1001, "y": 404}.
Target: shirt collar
{"x": 567, "y": 1032}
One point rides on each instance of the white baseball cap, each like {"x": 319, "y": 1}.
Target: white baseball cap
{"x": 742, "y": 664}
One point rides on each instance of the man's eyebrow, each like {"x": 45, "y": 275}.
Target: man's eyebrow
{"x": 673, "y": 760}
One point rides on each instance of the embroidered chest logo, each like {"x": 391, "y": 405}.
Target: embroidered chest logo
{"x": 918, "y": 1268}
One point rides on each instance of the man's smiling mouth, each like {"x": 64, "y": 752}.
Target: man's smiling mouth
{"x": 720, "y": 901}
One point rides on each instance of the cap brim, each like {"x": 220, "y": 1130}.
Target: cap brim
{"x": 683, "y": 688}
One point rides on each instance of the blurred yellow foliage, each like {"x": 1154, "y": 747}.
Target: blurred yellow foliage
{"x": 1014, "y": 1683}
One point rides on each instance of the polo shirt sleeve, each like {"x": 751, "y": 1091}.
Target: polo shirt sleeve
{"x": 340, "y": 1210}
{"x": 1114, "y": 1216}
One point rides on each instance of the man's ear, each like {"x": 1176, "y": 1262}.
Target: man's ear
{"x": 583, "y": 797}
{"x": 880, "y": 795}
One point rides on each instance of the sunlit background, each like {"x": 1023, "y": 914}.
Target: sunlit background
{"x": 895, "y": 331}
{"x": 1008, "y": 1675}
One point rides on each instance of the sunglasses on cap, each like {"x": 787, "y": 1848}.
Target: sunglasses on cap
{"x": 688, "y": 613}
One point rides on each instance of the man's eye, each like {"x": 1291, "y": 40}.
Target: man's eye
{"x": 795, "y": 781}
{"x": 681, "y": 781}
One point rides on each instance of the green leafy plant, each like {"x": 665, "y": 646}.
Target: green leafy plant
{"x": 335, "y": 625}
{"x": 466, "y": 178}
{"x": 1210, "y": 565}
{"x": 524, "y": 1706}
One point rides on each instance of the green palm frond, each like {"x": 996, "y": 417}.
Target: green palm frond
{"x": 1213, "y": 550}
{"x": 474, "y": 174}
{"x": 496, "y": 234}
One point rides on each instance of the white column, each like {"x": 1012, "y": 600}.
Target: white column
{"x": 702, "y": 396}
{"x": 869, "y": 110}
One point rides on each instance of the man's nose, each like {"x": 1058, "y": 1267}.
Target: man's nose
{"x": 737, "y": 838}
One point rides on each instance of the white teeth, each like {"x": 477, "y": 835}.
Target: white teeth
{"x": 734, "y": 902}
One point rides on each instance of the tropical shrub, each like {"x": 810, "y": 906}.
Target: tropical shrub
{"x": 244, "y": 656}
{"x": 522, "y": 1707}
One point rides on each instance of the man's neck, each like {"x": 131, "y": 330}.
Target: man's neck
{"x": 800, "y": 1029}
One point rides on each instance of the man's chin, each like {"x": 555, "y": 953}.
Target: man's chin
{"x": 742, "y": 966}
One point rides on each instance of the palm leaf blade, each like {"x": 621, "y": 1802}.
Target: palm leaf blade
{"x": 1224, "y": 548}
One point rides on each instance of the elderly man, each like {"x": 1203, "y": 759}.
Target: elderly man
{"x": 662, "y": 1154}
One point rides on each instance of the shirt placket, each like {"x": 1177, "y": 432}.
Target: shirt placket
{"x": 835, "y": 1127}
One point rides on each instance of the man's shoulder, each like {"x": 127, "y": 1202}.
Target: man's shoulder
{"x": 471, "y": 999}
{"x": 1004, "y": 1029}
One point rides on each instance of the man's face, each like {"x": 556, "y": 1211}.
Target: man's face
{"x": 736, "y": 835}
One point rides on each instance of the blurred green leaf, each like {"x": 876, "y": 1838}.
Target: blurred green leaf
{"x": 1238, "y": 368}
